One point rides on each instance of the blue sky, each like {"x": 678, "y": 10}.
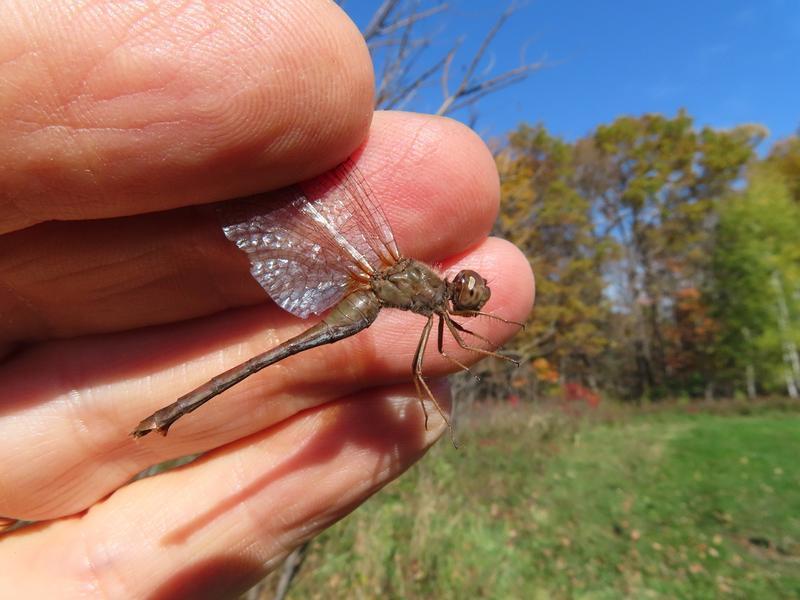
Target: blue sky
{"x": 727, "y": 62}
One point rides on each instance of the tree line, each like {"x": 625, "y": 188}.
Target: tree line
{"x": 667, "y": 260}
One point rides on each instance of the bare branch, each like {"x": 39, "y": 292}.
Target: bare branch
{"x": 474, "y": 93}
{"x": 397, "y": 67}
{"x": 392, "y": 34}
{"x": 378, "y": 20}
{"x": 469, "y": 90}
{"x": 476, "y": 58}
{"x": 411, "y": 19}
{"x": 403, "y": 94}
{"x": 291, "y": 566}
{"x": 448, "y": 61}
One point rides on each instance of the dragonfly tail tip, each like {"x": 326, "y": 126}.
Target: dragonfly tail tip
{"x": 147, "y": 426}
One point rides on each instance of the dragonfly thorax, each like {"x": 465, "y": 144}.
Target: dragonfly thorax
{"x": 411, "y": 285}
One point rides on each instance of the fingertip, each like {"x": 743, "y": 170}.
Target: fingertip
{"x": 436, "y": 179}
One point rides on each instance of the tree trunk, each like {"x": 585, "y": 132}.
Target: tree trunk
{"x": 791, "y": 388}
{"x": 790, "y": 355}
{"x": 750, "y": 374}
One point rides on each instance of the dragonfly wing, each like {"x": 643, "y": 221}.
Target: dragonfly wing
{"x": 344, "y": 197}
{"x": 291, "y": 257}
{"x": 315, "y": 242}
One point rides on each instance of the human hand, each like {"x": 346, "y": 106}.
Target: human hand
{"x": 117, "y": 295}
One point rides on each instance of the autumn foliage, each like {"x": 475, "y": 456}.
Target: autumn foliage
{"x": 650, "y": 280}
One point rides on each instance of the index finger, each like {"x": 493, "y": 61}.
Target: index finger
{"x": 125, "y": 109}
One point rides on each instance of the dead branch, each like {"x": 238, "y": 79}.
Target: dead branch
{"x": 469, "y": 90}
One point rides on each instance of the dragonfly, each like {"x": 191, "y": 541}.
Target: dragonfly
{"x": 326, "y": 248}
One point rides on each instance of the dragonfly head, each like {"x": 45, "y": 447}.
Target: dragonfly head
{"x": 468, "y": 291}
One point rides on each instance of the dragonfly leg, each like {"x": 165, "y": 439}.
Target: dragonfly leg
{"x": 421, "y": 403}
{"x": 459, "y": 340}
{"x": 477, "y": 313}
{"x": 419, "y": 380}
{"x": 440, "y": 347}
{"x": 463, "y": 329}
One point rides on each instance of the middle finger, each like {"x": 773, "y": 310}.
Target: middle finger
{"x": 75, "y": 278}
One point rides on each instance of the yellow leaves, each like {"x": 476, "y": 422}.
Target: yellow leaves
{"x": 544, "y": 370}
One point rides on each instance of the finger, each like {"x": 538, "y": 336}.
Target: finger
{"x": 215, "y": 527}
{"x": 67, "y": 425}
{"x": 435, "y": 179}
{"x": 117, "y": 110}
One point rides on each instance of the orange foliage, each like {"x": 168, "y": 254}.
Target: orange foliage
{"x": 544, "y": 370}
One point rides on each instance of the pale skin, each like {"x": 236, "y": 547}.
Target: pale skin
{"x": 116, "y": 121}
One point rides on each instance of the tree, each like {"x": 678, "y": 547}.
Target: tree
{"x": 543, "y": 214}
{"x": 756, "y": 288}
{"x": 784, "y": 158}
{"x": 652, "y": 182}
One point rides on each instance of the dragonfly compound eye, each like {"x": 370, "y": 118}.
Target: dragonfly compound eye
{"x": 470, "y": 291}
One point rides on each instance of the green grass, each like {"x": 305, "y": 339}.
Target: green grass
{"x": 664, "y": 504}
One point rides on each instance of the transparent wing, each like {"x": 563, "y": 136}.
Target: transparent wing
{"x": 344, "y": 197}
{"x": 317, "y": 243}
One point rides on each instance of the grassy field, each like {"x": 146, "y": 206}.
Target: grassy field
{"x": 662, "y": 503}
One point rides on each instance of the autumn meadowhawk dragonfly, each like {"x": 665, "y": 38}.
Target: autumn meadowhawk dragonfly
{"x": 326, "y": 247}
